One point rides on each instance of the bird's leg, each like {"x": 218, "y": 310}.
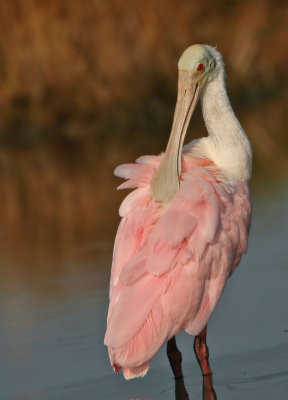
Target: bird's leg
{"x": 175, "y": 359}
{"x": 202, "y": 354}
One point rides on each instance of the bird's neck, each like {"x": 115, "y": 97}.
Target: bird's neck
{"x": 227, "y": 143}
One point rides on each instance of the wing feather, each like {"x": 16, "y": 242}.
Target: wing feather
{"x": 171, "y": 260}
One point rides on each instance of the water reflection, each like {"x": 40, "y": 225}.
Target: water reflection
{"x": 208, "y": 392}
{"x": 53, "y": 311}
{"x": 181, "y": 393}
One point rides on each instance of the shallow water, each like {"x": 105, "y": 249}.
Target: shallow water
{"x": 52, "y": 324}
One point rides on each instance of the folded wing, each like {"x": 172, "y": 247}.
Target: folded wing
{"x": 171, "y": 260}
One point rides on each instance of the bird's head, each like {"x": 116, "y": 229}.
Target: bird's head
{"x": 197, "y": 63}
{"x": 197, "y": 66}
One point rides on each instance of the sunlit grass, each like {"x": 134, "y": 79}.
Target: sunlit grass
{"x": 86, "y": 86}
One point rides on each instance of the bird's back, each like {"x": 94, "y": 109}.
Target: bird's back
{"x": 171, "y": 260}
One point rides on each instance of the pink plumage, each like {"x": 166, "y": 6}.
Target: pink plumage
{"x": 171, "y": 259}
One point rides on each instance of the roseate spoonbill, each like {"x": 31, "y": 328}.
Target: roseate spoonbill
{"x": 183, "y": 229}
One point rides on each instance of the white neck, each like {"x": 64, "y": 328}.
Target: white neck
{"x": 227, "y": 144}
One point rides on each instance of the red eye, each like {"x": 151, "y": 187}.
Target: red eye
{"x": 200, "y": 67}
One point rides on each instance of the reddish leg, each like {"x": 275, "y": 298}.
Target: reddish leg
{"x": 202, "y": 354}
{"x": 175, "y": 359}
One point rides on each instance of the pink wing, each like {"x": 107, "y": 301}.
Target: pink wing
{"x": 171, "y": 260}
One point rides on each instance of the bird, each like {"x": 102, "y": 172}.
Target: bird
{"x": 184, "y": 226}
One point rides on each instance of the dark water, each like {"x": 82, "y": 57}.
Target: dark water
{"x": 52, "y": 325}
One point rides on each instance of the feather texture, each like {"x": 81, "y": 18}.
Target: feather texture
{"x": 171, "y": 260}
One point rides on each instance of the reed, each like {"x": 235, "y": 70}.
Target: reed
{"x": 66, "y": 64}
{"x": 87, "y": 85}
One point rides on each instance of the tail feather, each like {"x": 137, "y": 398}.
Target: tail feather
{"x": 135, "y": 355}
{"x": 136, "y": 372}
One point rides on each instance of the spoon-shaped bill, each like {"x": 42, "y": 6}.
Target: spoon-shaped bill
{"x": 165, "y": 183}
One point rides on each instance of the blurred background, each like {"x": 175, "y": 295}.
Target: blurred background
{"x": 87, "y": 85}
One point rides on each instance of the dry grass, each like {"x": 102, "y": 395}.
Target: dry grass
{"x": 65, "y": 64}
{"x": 85, "y": 85}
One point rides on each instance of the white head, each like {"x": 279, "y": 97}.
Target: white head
{"x": 203, "y": 62}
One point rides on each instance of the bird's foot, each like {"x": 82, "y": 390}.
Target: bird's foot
{"x": 208, "y": 389}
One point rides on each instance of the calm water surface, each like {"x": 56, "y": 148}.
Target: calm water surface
{"x": 52, "y": 323}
